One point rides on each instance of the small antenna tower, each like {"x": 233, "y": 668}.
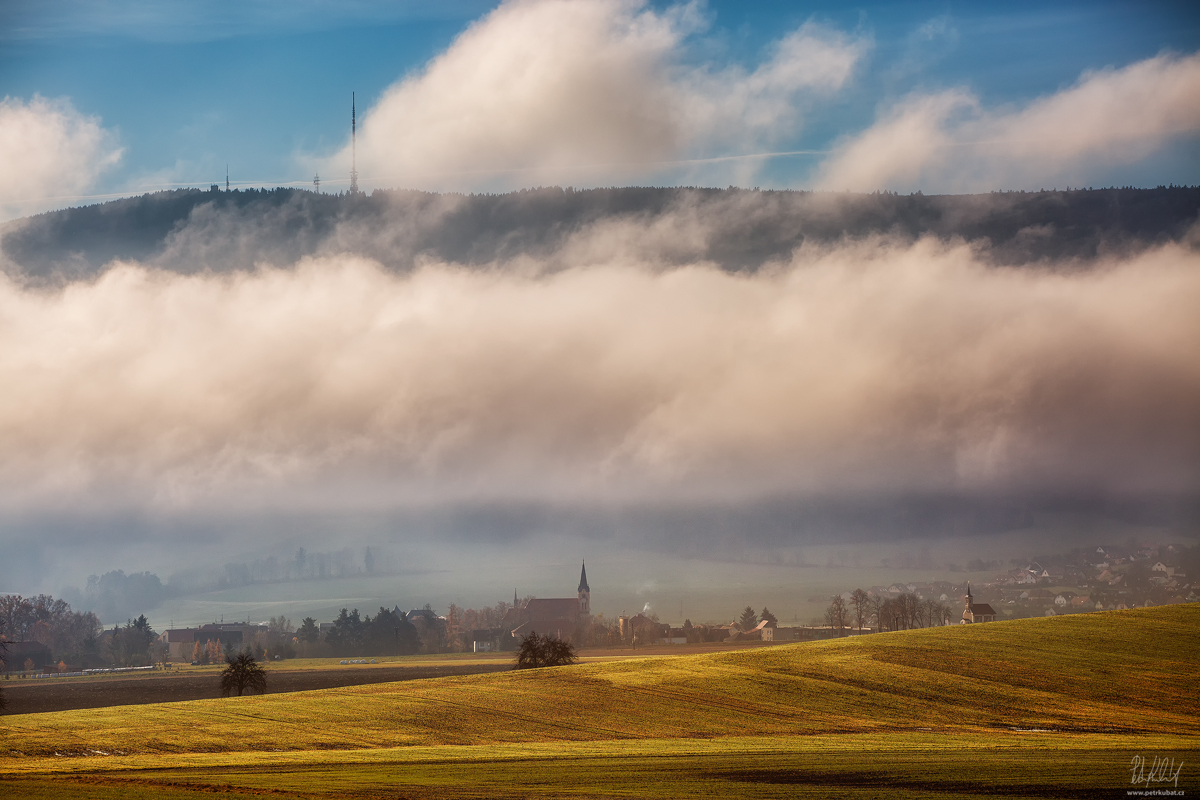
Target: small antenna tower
{"x": 353, "y": 147}
{"x": 317, "y": 182}
{"x": 227, "y": 177}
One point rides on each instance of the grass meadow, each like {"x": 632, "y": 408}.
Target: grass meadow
{"x": 1052, "y": 707}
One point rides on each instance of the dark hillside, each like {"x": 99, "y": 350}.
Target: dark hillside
{"x": 190, "y": 230}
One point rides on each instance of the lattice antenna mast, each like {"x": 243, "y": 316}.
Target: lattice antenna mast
{"x": 317, "y": 183}
{"x": 353, "y": 147}
{"x": 227, "y": 177}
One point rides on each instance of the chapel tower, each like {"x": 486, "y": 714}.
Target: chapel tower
{"x": 585, "y": 593}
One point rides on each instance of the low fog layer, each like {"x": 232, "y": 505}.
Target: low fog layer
{"x": 616, "y": 360}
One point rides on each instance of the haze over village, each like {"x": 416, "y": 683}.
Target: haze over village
{"x": 391, "y": 345}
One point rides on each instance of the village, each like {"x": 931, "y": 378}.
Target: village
{"x": 1099, "y": 578}
{"x": 45, "y": 637}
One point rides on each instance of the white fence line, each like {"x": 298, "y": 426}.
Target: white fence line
{"x": 36, "y": 675}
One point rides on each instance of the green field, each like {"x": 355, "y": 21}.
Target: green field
{"x": 1040, "y": 707}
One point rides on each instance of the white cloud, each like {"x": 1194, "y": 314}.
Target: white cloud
{"x": 948, "y": 142}
{"x": 48, "y": 153}
{"x": 872, "y": 367}
{"x": 550, "y": 90}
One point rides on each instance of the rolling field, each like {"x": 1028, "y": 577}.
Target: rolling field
{"x": 186, "y": 682}
{"x": 1042, "y": 707}
{"x": 196, "y": 683}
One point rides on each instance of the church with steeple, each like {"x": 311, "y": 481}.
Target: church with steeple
{"x": 558, "y": 617}
{"x": 976, "y": 612}
{"x": 585, "y": 593}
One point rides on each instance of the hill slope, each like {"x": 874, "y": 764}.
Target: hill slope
{"x": 1127, "y": 671}
{"x": 189, "y": 230}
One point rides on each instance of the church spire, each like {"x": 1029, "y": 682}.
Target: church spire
{"x": 585, "y": 593}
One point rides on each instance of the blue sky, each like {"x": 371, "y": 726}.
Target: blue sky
{"x": 183, "y": 89}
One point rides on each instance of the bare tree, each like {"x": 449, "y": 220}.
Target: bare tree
{"x": 456, "y": 633}
{"x": 860, "y": 600}
{"x": 907, "y": 611}
{"x": 888, "y": 615}
{"x": 875, "y": 609}
{"x": 243, "y": 674}
{"x": 835, "y": 615}
{"x": 932, "y": 610}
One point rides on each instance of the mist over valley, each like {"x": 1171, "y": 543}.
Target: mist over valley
{"x": 681, "y": 385}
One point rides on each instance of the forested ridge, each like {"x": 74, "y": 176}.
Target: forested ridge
{"x": 189, "y": 230}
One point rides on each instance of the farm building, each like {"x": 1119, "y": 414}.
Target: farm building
{"x": 181, "y": 642}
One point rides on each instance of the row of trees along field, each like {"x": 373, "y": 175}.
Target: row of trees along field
{"x": 73, "y": 639}
{"x": 423, "y": 631}
{"x": 389, "y": 633}
{"x": 898, "y": 613}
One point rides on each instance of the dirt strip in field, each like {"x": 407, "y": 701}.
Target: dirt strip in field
{"x": 35, "y": 697}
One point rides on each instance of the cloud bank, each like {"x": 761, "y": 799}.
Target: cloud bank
{"x": 545, "y": 91}
{"x": 48, "y": 152}
{"x": 950, "y": 142}
{"x": 866, "y": 369}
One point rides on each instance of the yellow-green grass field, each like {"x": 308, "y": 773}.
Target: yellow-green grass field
{"x": 390, "y": 662}
{"x": 1040, "y": 707}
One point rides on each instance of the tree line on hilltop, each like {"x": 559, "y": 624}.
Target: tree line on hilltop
{"x": 903, "y": 612}
{"x": 747, "y": 229}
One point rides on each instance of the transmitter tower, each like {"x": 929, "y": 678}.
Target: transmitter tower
{"x": 353, "y": 147}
